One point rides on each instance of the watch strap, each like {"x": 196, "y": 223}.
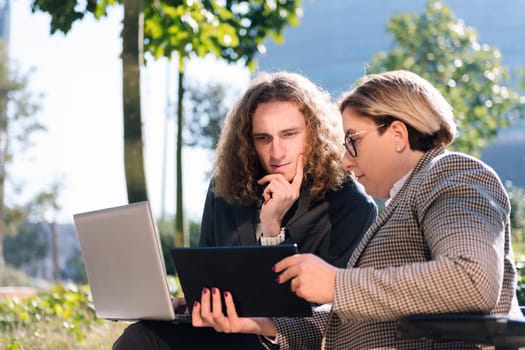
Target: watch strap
{"x": 274, "y": 240}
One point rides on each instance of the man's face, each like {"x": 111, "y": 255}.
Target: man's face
{"x": 279, "y": 137}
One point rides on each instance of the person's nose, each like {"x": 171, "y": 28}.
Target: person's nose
{"x": 348, "y": 162}
{"x": 278, "y": 150}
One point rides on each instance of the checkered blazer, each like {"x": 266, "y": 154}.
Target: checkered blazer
{"x": 441, "y": 246}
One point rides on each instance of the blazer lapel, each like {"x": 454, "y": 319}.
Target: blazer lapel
{"x": 303, "y": 204}
{"x": 390, "y": 209}
{"x": 246, "y": 224}
{"x": 378, "y": 223}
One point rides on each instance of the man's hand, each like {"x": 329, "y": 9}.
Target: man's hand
{"x": 279, "y": 196}
{"x": 310, "y": 277}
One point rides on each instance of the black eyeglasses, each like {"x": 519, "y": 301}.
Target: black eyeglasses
{"x": 350, "y": 142}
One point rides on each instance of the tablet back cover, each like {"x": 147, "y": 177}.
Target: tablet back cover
{"x": 244, "y": 271}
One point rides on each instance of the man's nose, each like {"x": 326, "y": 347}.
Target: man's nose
{"x": 278, "y": 149}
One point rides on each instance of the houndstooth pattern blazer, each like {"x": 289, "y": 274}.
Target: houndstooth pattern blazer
{"x": 441, "y": 246}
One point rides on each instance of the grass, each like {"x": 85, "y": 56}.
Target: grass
{"x": 60, "y": 318}
{"x": 519, "y": 249}
{"x": 51, "y": 334}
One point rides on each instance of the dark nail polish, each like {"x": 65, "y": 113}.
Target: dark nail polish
{"x": 214, "y": 291}
{"x": 195, "y": 303}
{"x": 226, "y": 294}
{"x": 273, "y": 268}
{"x": 277, "y": 280}
{"x": 204, "y": 291}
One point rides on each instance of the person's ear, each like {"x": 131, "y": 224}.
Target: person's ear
{"x": 400, "y": 135}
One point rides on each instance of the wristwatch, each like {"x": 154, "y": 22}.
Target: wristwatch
{"x": 274, "y": 240}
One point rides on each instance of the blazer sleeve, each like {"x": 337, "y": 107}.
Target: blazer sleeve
{"x": 304, "y": 332}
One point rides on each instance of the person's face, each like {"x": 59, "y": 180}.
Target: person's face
{"x": 375, "y": 165}
{"x": 279, "y": 137}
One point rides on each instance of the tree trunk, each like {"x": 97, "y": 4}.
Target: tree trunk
{"x": 3, "y": 159}
{"x": 54, "y": 251}
{"x": 180, "y": 236}
{"x": 132, "y": 54}
{"x": 2, "y": 207}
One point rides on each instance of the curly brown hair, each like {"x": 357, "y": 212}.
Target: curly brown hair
{"x": 237, "y": 166}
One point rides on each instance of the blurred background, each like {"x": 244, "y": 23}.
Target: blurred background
{"x": 90, "y": 119}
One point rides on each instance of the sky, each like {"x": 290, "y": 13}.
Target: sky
{"x": 79, "y": 76}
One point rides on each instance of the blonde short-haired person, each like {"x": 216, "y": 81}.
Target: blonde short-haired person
{"x": 441, "y": 245}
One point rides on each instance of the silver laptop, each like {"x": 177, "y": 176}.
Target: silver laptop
{"x": 124, "y": 265}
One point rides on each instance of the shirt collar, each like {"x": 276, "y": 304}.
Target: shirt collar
{"x": 397, "y": 186}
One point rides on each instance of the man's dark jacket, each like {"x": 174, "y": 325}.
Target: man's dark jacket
{"x": 329, "y": 228}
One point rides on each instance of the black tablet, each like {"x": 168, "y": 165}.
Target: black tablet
{"x": 244, "y": 271}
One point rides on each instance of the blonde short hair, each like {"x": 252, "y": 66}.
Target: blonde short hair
{"x": 405, "y": 96}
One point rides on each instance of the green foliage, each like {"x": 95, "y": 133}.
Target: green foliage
{"x": 45, "y": 204}
{"x": 517, "y": 214}
{"x": 174, "y": 286}
{"x": 75, "y": 269}
{"x": 520, "y": 77}
{"x": 208, "y": 111}
{"x": 195, "y": 233}
{"x": 67, "y": 12}
{"x": 520, "y": 291}
{"x": 71, "y": 305}
{"x": 14, "y": 277}
{"x": 166, "y": 233}
{"x": 517, "y": 220}
{"x": 62, "y": 318}
{"x": 442, "y": 49}
{"x": 231, "y": 30}
{"x": 29, "y": 245}
{"x": 185, "y": 28}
